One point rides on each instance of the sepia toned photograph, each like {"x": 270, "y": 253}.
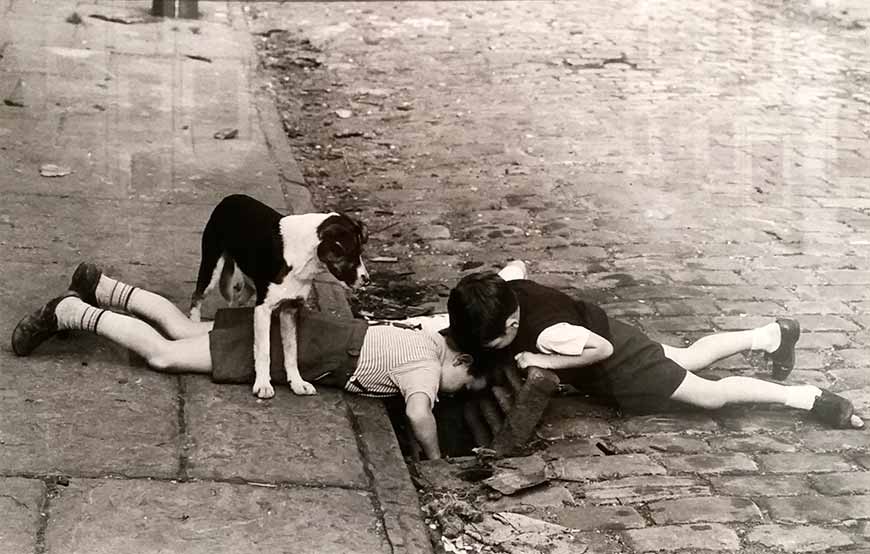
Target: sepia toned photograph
{"x": 435, "y": 277}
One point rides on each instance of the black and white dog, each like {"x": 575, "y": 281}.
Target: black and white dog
{"x": 278, "y": 257}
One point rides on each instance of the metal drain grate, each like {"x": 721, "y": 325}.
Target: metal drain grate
{"x": 505, "y": 417}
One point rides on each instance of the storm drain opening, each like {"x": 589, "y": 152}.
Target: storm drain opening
{"x": 502, "y": 418}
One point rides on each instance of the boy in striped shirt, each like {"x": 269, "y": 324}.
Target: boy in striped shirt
{"x": 380, "y": 360}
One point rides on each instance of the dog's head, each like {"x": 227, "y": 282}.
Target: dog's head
{"x": 341, "y": 242}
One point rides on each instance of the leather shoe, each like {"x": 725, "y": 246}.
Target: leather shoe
{"x": 36, "y": 328}
{"x": 782, "y": 359}
{"x": 834, "y": 410}
{"x": 84, "y": 282}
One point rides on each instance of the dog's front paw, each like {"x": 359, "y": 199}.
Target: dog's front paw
{"x": 302, "y": 388}
{"x": 263, "y": 389}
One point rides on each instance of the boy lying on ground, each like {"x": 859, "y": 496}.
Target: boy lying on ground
{"x": 495, "y": 316}
{"x": 373, "y": 360}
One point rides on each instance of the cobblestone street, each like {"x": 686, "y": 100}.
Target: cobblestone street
{"x": 693, "y": 167}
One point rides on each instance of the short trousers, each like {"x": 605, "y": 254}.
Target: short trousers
{"x": 328, "y": 347}
{"x": 637, "y": 378}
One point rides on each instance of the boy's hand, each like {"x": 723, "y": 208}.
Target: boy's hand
{"x": 528, "y": 359}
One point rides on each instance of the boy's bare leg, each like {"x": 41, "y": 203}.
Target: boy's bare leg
{"x": 708, "y": 394}
{"x": 712, "y": 348}
{"x": 166, "y": 316}
{"x": 98, "y": 289}
{"x": 189, "y": 355}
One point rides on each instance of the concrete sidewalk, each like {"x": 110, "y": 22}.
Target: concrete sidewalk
{"x": 97, "y": 453}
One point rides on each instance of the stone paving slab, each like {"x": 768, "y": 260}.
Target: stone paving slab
{"x": 145, "y": 517}
{"x": 148, "y": 173}
{"x": 393, "y": 486}
{"x": 805, "y": 538}
{"x": 147, "y": 230}
{"x": 64, "y": 414}
{"x": 761, "y": 485}
{"x": 290, "y": 439}
{"x": 212, "y": 36}
{"x": 20, "y": 503}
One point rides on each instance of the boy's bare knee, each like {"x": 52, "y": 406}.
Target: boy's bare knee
{"x": 160, "y": 361}
{"x": 724, "y": 390}
{"x": 709, "y": 395}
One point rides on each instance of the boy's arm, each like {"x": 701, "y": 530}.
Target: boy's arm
{"x": 419, "y": 381}
{"x": 418, "y": 408}
{"x": 567, "y": 346}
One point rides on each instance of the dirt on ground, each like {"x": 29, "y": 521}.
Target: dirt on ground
{"x": 334, "y": 155}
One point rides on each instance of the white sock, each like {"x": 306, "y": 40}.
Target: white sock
{"x": 802, "y": 396}
{"x": 767, "y": 338}
{"x": 73, "y": 313}
{"x": 112, "y": 293}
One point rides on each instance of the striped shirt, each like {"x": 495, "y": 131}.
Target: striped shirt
{"x": 395, "y": 360}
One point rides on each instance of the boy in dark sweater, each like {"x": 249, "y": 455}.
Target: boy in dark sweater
{"x": 491, "y": 318}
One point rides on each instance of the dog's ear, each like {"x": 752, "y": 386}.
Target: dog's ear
{"x": 363, "y": 231}
{"x": 359, "y": 227}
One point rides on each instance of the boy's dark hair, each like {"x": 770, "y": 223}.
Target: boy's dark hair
{"x": 478, "y": 307}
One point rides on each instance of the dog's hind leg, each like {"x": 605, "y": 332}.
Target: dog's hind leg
{"x": 245, "y": 291}
{"x": 228, "y": 279}
{"x": 235, "y": 286}
{"x": 299, "y": 386}
{"x": 210, "y": 269}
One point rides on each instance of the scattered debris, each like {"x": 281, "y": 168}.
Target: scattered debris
{"x": 15, "y": 98}
{"x": 264, "y": 485}
{"x": 54, "y": 170}
{"x": 405, "y": 107}
{"x": 270, "y": 32}
{"x": 384, "y": 260}
{"x": 519, "y": 533}
{"x": 471, "y": 264}
{"x": 195, "y": 30}
{"x": 199, "y": 58}
{"x": 125, "y": 19}
{"x": 61, "y": 480}
{"x": 347, "y": 133}
{"x": 343, "y": 114}
{"x": 74, "y": 18}
{"x": 226, "y": 133}
{"x": 516, "y": 474}
{"x": 293, "y": 131}
{"x": 575, "y": 64}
